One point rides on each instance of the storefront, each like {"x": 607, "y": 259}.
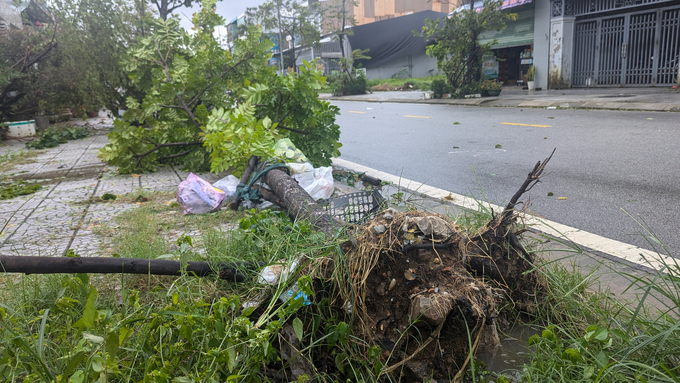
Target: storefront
{"x": 513, "y": 50}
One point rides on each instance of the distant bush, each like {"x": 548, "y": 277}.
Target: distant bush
{"x": 343, "y": 85}
{"x": 439, "y": 87}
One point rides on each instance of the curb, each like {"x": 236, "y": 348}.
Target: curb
{"x": 509, "y": 103}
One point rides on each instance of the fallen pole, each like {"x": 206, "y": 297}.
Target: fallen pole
{"x": 67, "y": 265}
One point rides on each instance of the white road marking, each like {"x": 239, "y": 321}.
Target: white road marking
{"x": 630, "y": 253}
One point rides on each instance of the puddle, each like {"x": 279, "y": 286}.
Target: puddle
{"x": 513, "y": 351}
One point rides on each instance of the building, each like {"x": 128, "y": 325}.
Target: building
{"x": 392, "y": 47}
{"x": 588, "y": 43}
{"x": 613, "y": 42}
{"x": 9, "y": 17}
{"x": 370, "y": 11}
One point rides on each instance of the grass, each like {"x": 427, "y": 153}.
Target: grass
{"x": 123, "y": 328}
{"x": 417, "y": 83}
{"x": 13, "y": 158}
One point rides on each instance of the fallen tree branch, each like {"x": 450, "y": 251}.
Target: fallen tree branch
{"x": 67, "y": 265}
{"x": 140, "y": 157}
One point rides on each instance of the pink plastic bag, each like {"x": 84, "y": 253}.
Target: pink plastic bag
{"x": 198, "y": 196}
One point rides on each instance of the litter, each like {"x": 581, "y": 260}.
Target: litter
{"x": 318, "y": 182}
{"x": 285, "y": 149}
{"x": 228, "y": 185}
{"x": 197, "y": 196}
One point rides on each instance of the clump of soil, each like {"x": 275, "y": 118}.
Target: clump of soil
{"x": 414, "y": 292}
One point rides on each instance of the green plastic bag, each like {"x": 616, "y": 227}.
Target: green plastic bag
{"x": 285, "y": 149}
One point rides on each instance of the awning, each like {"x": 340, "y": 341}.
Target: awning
{"x": 480, "y": 4}
{"x": 518, "y": 32}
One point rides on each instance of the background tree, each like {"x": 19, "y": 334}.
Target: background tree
{"x": 338, "y": 19}
{"x": 300, "y": 21}
{"x": 165, "y": 7}
{"x": 70, "y": 61}
{"x": 457, "y": 48}
{"x": 206, "y": 107}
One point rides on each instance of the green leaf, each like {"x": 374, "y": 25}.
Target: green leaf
{"x": 572, "y": 355}
{"x": 112, "y": 344}
{"x": 297, "y": 326}
{"x": 340, "y": 362}
{"x": 97, "y": 363}
{"x": 87, "y": 320}
{"x": 78, "y": 377}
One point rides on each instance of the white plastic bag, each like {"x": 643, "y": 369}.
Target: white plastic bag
{"x": 228, "y": 185}
{"x": 198, "y": 196}
{"x": 318, "y": 183}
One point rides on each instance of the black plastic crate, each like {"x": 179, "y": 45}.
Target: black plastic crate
{"x": 354, "y": 207}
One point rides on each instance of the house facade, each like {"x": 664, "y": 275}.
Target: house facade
{"x": 614, "y": 43}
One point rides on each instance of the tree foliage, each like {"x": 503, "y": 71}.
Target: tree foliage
{"x": 68, "y": 62}
{"x": 457, "y": 48}
{"x": 206, "y": 107}
{"x": 298, "y": 20}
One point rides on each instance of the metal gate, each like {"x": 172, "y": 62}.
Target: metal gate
{"x": 635, "y": 49}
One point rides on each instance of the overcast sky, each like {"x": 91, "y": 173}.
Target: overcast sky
{"x": 229, "y": 9}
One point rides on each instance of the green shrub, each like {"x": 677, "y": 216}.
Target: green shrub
{"x": 343, "y": 85}
{"x": 472, "y": 88}
{"x": 440, "y": 87}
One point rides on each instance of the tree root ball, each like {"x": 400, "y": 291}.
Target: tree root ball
{"x": 422, "y": 305}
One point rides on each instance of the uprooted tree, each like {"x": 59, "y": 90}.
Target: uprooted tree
{"x": 206, "y": 108}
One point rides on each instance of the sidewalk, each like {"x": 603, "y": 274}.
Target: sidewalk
{"x": 61, "y": 216}
{"x": 661, "y": 99}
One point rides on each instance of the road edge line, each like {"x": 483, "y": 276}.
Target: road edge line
{"x": 621, "y": 250}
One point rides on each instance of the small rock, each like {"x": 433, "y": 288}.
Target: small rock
{"x": 379, "y": 229}
{"x": 432, "y": 309}
{"x": 381, "y": 289}
{"x": 388, "y": 216}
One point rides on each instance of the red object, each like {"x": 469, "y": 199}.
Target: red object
{"x": 675, "y": 87}
{"x": 92, "y": 114}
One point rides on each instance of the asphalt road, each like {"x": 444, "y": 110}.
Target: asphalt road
{"x": 609, "y": 165}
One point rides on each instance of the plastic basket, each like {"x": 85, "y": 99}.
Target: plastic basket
{"x": 354, "y": 207}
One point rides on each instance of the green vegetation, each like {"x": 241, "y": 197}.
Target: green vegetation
{"x": 593, "y": 336}
{"x": 414, "y": 83}
{"x": 207, "y": 108}
{"x": 184, "y": 329}
{"x": 12, "y": 189}
{"x": 457, "y": 49}
{"x": 52, "y": 137}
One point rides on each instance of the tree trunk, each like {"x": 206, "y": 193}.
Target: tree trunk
{"x": 299, "y": 204}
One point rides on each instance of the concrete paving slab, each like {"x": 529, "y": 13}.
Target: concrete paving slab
{"x": 537, "y": 103}
{"x": 643, "y": 106}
